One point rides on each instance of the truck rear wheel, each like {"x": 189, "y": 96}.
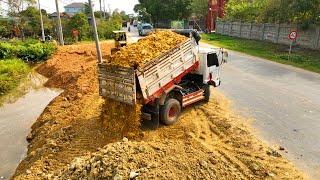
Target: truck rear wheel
{"x": 170, "y": 112}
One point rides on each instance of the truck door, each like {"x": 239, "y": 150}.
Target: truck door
{"x": 213, "y": 69}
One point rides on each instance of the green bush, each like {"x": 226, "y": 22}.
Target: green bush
{"x": 29, "y": 50}
{"x": 36, "y": 52}
{"x": 12, "y": 71}
{"x": 23, "y": 43}
{"x": 7, "y": 50}
{"x": 105, "y": 28}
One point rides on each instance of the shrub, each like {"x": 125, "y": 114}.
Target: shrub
{"x": 30, "y": 50}
{"x": 26, "y": 42}
{"x": 12, "y": 71}
{"x": 105, "y": 28}
{"x": 36, "y": 52}
{"x": 7, "y": 50}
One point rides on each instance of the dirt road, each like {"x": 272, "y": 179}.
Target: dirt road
{"x": 284, "y": 101}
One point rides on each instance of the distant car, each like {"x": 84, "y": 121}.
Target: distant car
{"x": 135, "y": 23}
{"x": 139, "y": 26}
{"x": 145, "y": 29}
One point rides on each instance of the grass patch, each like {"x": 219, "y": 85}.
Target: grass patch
{"x": 12, "y": 72}
{"x": 302, "y": 58}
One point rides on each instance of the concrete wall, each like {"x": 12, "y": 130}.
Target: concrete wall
{"x": 276, "y": 33}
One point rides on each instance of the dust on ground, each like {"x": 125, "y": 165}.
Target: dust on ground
{"x": 69, "y": 139}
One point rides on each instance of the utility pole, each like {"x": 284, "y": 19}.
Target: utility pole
{"x": 104, "y": 9}
{"x": 42, "y": 29}
{"x": 96, "y": 36}
{"x": 1, "y": 13}
{"x": 59, "y": 25}
{"x": 100, "y": 6}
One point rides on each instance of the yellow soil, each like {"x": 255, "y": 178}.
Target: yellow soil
{"x": 209, "y": 141}
{"x": 146, "y": 49}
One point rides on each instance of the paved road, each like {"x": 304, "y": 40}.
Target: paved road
{"x": 283, "y": 100}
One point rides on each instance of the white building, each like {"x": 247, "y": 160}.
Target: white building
{"x": 74, "y": 8}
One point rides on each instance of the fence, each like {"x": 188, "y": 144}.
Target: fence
{"x": 276, "y": 33}
{"x": 186, "y": 24}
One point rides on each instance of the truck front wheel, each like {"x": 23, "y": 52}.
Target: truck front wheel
{"x": 170, "y": 112}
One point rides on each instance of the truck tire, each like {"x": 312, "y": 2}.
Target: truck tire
{"x": 207, "y": 93}
{"x": 170, "y": 112}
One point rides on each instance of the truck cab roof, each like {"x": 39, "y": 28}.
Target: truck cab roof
{"x": 118, "y": 31}
{"x": 207, "y": 50}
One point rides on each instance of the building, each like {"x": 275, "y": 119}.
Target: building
{"x": 55, "y": 15}
{"x": 74, "y": 8}
{"x": 216, "y": 10}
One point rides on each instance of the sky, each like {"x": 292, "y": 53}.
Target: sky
{"x": 126, "y": 5}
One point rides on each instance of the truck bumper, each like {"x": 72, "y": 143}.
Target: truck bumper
{"x": 215, "y": 83}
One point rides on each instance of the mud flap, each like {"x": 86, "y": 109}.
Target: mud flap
{"x": 151, "y": 117}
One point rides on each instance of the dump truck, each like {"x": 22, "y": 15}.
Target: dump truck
{"x": 168, "y": 83}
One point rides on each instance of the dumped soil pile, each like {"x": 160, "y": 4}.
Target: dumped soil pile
{"x": 70, "y": 126}
{"x": 146, "y": 49}
{"x": 205, "y": 143}
{"x": 121, "y": 119}
{"x": 69, "y": 139}
{"x": 149, "y": 160}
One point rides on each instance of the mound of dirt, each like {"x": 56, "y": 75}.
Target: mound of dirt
{"x": 156, "y": 159}
{"x": 121, "y": 119}
{"x": 146, "y": 49}
{"x": 69, "y": 139}
{"x": 70, "y": 125}
{"x": 205, "y": 143}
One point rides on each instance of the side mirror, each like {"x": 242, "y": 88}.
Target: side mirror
{"x": 225, "y": 56}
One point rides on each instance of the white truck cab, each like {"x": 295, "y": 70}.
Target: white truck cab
{"x": 210, "y": 62}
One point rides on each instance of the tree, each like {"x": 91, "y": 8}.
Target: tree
{"x": 292, "y": 11}
{"x": 164, "y": 10}
{"x": 143, "y": 15}
{"x": 15, "y": 6}
{"x": 30, "y": 21}
{"x": 303, "y": 12}
{"x": 78, "y": 22}
{"x": 124, "y": 16}
{"x": 244, "y": 10}
{"x": 199, "y": 8}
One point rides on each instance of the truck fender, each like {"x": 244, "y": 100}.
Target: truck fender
{"x": 164, "y": 95}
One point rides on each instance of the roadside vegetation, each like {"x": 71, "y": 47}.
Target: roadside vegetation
{"x": 300, "y": 57}
{"x": 28, "y": 25}
{"x": 14, "y": 56}
{"x": 20, "y": 32}
{"x": 12, "y": 72}
{"x": 30, "y": 50}
{"x": 302, "y": 12}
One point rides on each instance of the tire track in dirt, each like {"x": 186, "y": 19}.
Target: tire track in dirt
{"x": 209, "y": 136}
